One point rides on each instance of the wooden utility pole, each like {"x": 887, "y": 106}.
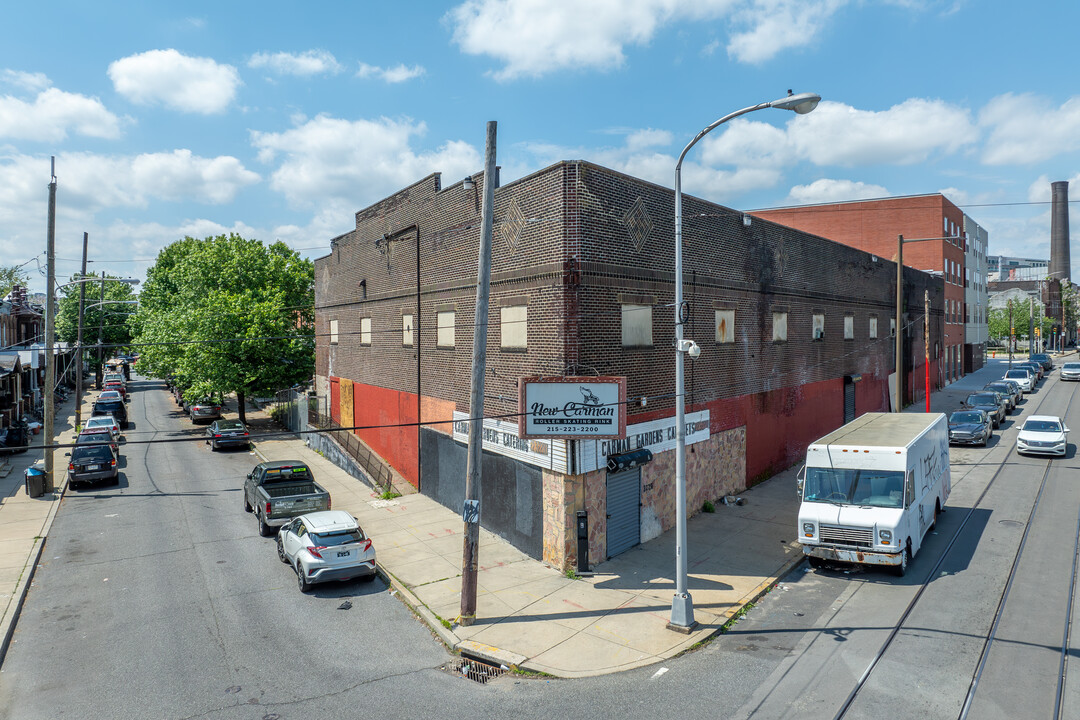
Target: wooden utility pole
{"x": 926, "y": 344}
{"x": 50, "y": 330}
{"x": 99, "y": 372}
{"x": 78, "y": 341}
{"x": 471, "y": 511}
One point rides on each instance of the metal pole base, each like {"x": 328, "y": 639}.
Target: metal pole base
{"x": 682, "y": 614}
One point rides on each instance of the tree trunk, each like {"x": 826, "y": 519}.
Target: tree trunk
{"x": 240, "y": 406}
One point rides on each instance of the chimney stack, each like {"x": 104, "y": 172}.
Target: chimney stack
{"x": 1059, "y": 231}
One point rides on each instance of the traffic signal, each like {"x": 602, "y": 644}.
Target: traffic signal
{"x": 1038, "y": 332}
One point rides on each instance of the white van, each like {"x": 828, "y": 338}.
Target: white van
{"x": 872, "y": 488}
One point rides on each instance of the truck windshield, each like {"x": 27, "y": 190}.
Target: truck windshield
{"x": 845, "y": 486}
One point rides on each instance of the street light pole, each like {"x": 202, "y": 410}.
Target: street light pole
{"x": 682, "y": 605}
{"x": 898, "y": 403}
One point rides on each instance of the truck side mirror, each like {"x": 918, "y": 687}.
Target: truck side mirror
{"x": 800, "y": 477}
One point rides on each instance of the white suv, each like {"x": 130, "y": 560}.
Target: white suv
{"x": 324, "y": 546}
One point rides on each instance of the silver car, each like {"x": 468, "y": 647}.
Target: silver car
{"x": 1070, "y": 371}
{"x": 324, "y": 546}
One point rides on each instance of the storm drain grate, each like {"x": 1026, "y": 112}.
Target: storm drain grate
{"x": 475, "y": 670}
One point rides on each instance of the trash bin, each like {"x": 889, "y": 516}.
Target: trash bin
{"x": 35, "y": 481}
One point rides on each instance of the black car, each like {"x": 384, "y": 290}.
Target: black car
{"x": 1004, "y": 392}
{"x": 227, "y": 433}
{"x": 1034, "y": 367}
{"x": 115, "y": 408}
{"x": 90, "y": 463}
{"x": 988, "y": 402}
{"x": 1008, "y": 386}
{"x": 1043, "y": 359}
{"x": 970, "y": 427}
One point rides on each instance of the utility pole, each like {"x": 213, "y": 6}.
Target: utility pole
{"x": 98, "y": 371}
{"x": 1012, "y": 334}
{"x": 50, "y": 328}
{"x": 78, "y": 341}
{"x": 1031, "y": 325}
{"x": 898, "y": 405}
{"x": 471, "y": 511}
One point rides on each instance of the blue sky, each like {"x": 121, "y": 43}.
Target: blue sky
{"x": 279, "y": 120}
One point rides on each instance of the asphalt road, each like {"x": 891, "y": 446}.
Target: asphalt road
{"x": 159, "y": 599}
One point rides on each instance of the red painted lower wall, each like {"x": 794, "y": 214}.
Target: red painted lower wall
{"x": 381, "y": 411}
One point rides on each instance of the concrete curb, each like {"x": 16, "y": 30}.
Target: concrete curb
{"x": 7, "y": 626}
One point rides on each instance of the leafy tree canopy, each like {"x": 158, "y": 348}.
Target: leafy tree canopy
{"x": 112, "y": 317}
{"x": 11, "y": 275}
{"x": 228, "y": 315}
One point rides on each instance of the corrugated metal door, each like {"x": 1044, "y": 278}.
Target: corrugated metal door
{"x": 623, "y": 511}
{"x": 849, "y": 401}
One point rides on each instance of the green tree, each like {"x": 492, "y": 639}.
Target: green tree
{"x": 112, "y": 317}
{"x": 11, "y": 275}
{"x": 228, "y": 315}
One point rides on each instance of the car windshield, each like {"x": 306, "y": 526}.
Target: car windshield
{"x": 982, "y": 399}
{"x": 877, "y": 488}
{"x": 1002, "y": 388}
{"x": 100, "y": 422}
{"x": 93, "y": 437}
{"x": 965, "y": 417}
{"x": 1071, "y": 366}
{"x": 92, "y": 452}
{"x": 1042, "y": 426}
{"x": 230, "y": 425}
{"x": 341, "y": 537}
{"x": 108, "y": 406}
{"x": 1019, "y": 374}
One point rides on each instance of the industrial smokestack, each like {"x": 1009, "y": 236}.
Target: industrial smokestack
{"x": 1059, "y": 231}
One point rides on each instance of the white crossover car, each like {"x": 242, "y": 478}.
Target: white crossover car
{"x": 1043, "y": 434}
{"x": 1023, "y": 378}
{"x": 324, "y": 546}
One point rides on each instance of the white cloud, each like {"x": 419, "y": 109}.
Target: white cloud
{"x": 912, "y": 132}
{"x": 397, "y": 74}
{"x": 535, "y": 37}
{"x": 33, "y": 82}
{"x": 1039, "y": 190}
{"x": 311, "y": 62}
{"x": 180, "y": 82}
{"x": 53, "y": 114}
{"x": 772, "y": 26}
{"x": 359, "y": 161}
{"x": 1026, "y": 129}
{"x": 641, "y": 139}
{"x": 827, "y": 190}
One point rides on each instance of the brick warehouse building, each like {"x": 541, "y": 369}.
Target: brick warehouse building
{"x": 794, "y": 329}
{"x": 956, "y": 247}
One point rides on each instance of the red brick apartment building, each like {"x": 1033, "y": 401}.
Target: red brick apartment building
{"x": 934, "y": 241}
{"x": 795, "y": 332}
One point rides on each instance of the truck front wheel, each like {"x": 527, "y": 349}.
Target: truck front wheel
{"x": 905, "y": 558}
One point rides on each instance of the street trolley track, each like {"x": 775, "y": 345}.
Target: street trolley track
{"x": 850, "y": 699}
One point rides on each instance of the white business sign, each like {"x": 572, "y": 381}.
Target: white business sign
{"x": 585, "y": 407}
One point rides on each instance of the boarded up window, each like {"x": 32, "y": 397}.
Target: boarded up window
{"x": 445, "y": 335}
{"x": 818, "y": 327}
{"x": 365, "y": 331}
{"x": 515, "y": 326}
{"x": 333, "y": 332}
{"x": 849, "y": 327}
{"x": 637, "y": 325}
{"x": 873, "y": 328}
{"x": 779, "y": 327}
{"x": 725, "y": 326}
{"x": 407, "y": 330}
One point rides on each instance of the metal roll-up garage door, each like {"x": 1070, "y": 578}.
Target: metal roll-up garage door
{"x": 623, "y": 511}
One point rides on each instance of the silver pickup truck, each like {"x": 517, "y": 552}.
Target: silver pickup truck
{"x": 279, "y": 491}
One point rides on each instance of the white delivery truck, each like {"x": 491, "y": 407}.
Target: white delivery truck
{"x": 871, "y": 489}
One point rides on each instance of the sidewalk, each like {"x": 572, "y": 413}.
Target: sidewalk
{"x": 25, "y": 521}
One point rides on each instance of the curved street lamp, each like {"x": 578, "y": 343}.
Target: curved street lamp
{"x": 682, "y": 605}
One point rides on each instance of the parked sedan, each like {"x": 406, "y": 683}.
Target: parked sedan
{"x": 324, "y": 546}
{"x": 1007, "y": 386}
{"x": 1034, "y": 367}
{"x": 117, "y": 386}
{"x": 89, "y": 463}
{"x": 970, "y": 427}
{"x": 1070, "y": 371}
{"x": 205, "y": 409}
{"x": 105, "y": 421}
{"x": 1045, "y": 360}
{"x": 97, "y": 436}
{"x": 227, "y": 433}
{"x": 1024, "y": 378}
{"x": 1043, "y": 434}
{"x": 988, "y": 402}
